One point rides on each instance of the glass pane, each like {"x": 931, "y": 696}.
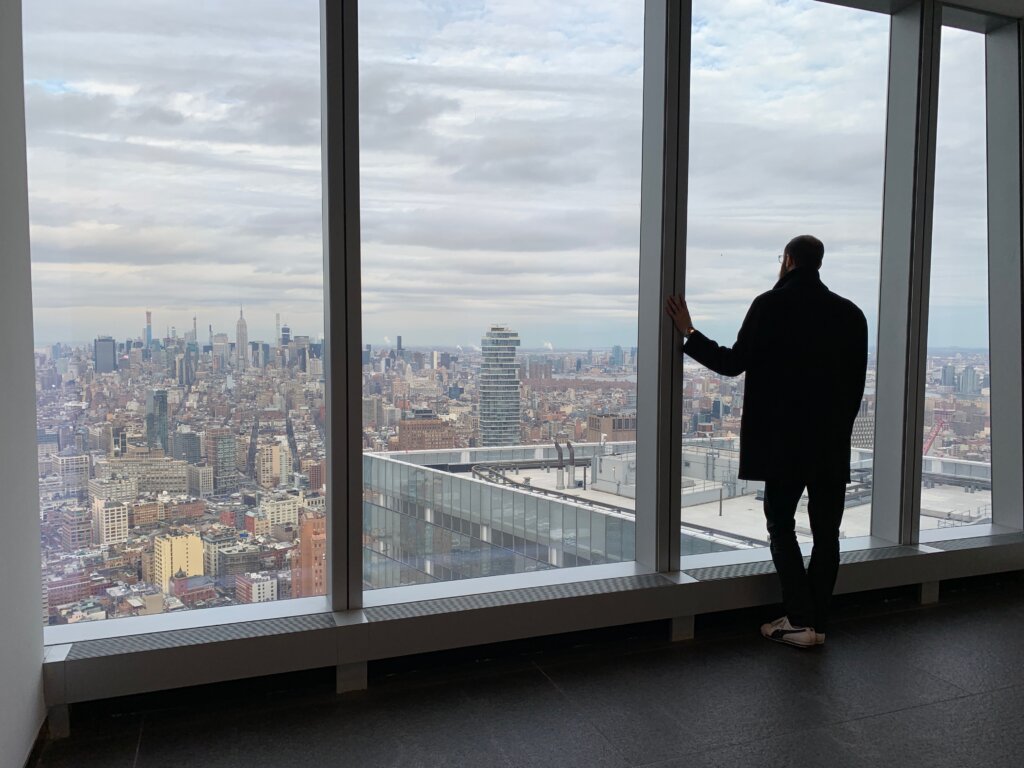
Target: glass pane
{"x": 500, "y": 191}
{"x": 787, "y": 138}
{"x": 174, "y": 174}
{"x": 956, "y": 472}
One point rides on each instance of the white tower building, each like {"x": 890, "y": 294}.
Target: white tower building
{"x": 499, "y": 388}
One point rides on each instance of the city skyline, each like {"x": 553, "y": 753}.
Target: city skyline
{"x": 387, "y": 342}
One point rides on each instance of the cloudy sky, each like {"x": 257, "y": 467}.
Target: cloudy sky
{"x": 174, "y": 165}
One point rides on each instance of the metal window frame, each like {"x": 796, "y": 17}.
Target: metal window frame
{"x": 909, "y": 171}
{"x": 908, "y": 209}
{"x": 909, "y": 187}
{"x": 663, "y": 206}
{"x": 1004, "y": 157}
{"x": 339, "y": 51}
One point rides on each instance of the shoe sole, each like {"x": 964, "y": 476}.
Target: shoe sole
{"x": 790, "y": 643}
{"x": 784, "y": 641}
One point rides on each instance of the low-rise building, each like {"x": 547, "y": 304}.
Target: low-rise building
{"x": 255, "y": 588}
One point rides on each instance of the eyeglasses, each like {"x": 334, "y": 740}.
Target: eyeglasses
{"x": 782, "y": 257}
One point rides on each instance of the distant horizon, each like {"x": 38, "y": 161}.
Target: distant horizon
{"x": 46, "y": 345}
{"x": 544, "y": 339}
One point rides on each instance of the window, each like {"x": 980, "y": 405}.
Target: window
{"x": 500, "y": 191}
{"x": 174, "y": 175}
{"x": 175, "y": 168}
{"x": 787, "y": 137}
{"x": 956, "y": 473}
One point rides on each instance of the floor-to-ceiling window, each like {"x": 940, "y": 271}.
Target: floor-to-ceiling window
{"x": 174, "y": 179}
{"x": 787, "y": 137}
{"x": 956, "y": 471}
{"x": 500, "y": 201}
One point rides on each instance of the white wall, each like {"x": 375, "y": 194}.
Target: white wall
{"x": 21, "y": 634}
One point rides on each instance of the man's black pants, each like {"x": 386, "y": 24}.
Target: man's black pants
{"x": 805, "y": 593}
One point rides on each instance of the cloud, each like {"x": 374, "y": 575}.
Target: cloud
{"x": 174, "y": 162}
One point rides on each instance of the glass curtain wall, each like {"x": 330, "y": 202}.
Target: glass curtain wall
{"x": 787, "y": 137}
{"x": 174, "y": 179}
{"x": 956, "y": 473}
{"x": 500, "y": 147}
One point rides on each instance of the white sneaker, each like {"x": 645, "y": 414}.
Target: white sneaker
{"x": 819, "y": 638}
{"x": 781, "y": 631}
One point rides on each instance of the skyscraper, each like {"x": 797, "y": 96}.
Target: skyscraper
{"x": 969, "y": 381}
{"x": 220, "y": 453}
{"x": 156, "y": 420}
{"x": 499, "y": 388}
{"x": 105, "y": 354}
{"x": 149, "y": 329}
{"x": 241, "y": 342}
{"x": 221, "y": 348}
{"x": 185, "y": 445}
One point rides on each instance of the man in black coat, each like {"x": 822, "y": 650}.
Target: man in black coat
{"x": 804, "y": 350}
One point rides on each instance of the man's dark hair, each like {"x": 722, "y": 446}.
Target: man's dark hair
{"x": 806, "y": 251}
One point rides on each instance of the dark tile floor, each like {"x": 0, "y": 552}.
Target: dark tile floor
{"x": 896, "y": 684}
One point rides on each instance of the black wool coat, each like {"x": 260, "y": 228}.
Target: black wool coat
{"x": 805, "y": 352}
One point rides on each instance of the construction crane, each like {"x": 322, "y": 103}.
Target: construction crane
{"x": 936, "y": 428}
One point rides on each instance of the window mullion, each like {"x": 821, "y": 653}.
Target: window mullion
{"x": 906, "y": 249}
{"x": 662, "y": 264}
{"x": 342, "y": 299}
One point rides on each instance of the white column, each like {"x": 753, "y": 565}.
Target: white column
{"x": 21, "y": 631}
{"x": 1003, "y": 107}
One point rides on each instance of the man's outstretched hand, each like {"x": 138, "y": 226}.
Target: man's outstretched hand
{"x": 675, "y": 307}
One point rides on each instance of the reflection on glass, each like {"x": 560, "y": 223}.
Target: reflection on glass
{"x": 787, "y": 138}
{"x": 500, "y": 190}
{"x": 174, "y": 175}
{"x": 956, "y": 472}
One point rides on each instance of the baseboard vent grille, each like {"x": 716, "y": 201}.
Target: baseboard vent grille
{"x": 976, "y": 542}
{"x": 113, "y": 646}
{"x": 514, "y": 597}
{"x": 764, "y": 567}
{"x": 737, "y": 571}
{"x": 879, "y": 553}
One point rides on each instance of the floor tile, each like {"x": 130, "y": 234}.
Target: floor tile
{"x": 109, "y": 741}
{"x": 664, "y": 704}
{"x": 984, "y": 729}
{"x": 852, "y": 676}
{"x": 966, "y": 645}
{"x": 518, "y": 720}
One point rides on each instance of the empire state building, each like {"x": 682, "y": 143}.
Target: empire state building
{"x": 241, "y": 343}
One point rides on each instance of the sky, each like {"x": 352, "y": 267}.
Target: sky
{"x": 174, "y": 165}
